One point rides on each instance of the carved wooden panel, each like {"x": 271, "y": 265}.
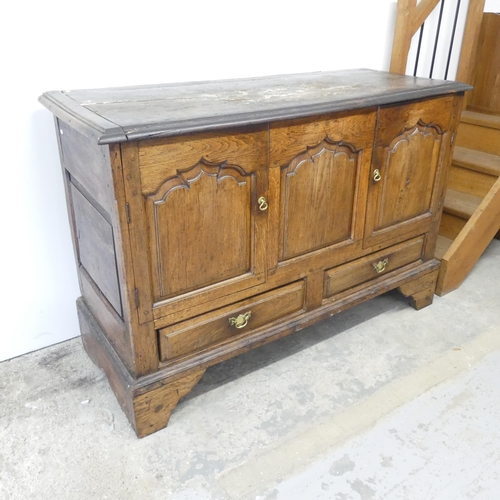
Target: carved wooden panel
{"x": 408, "y": 173}
{"x": 318, "y": 182}
{"x": 201, "y": 227}
{"x": 318, "y": 189}
{"x": 160, "y": 158}
{"x": 405, "y": 177}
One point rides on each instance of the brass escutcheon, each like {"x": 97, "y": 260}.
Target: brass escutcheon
{"x": 381, "y": 265}
{"x": 262, "y": 203}
{"x": 240, "y": 321}
{"x": 376, "y": 175}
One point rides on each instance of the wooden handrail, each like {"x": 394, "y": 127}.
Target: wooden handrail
{"x": 410, "y": 18}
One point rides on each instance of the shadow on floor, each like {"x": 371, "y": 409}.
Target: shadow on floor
{"x": 244, "y": 364}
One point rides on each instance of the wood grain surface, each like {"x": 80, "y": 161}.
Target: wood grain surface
{"x": 323, "y": 167}
{"x": 360, "y": 271}
{"x": 247, "y": 203}
{"x": 161, "y": 159}
{"x": 410, "y": 152}
{"x": 96, "y": 249}
{"x": 485, "y": 97}
{"x": 144, "y": 112}
{"x": 202, "y": 331}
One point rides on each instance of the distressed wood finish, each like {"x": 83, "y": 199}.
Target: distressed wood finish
{"x": 147, "y": 404}
{"x": 409, "y": 155}
{"x": 220, "y": 216}
{"x": 345, "y": 277}
{"x": 153, "y": 406}
{"x": 421, "y": 290}
{"x": 323, "y": 168}
{"x": 149, "y": 401}
{"x": 180, "y": 223}
{"x": 88, "y": 165}
{"x": 145, "y": 112}
{"x": 162, "y": 159}
{"x": 95, "y": 247}
{"x": 214, "y": 328}
{"x": 204, "y": 211}
{"x": 316, "y": 187}
{"x": 88, "y": 168}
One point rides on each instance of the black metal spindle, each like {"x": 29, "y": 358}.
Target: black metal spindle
{"x": 437, "y": 38}
{"x": 452, "y": 40}
{"x": 418, "y": 48}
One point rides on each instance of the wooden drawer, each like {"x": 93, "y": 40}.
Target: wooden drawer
{"x": 215, "y": 327}
{"x": 360, "y": 271}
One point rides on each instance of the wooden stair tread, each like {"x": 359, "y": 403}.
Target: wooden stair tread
{"x": 471, "y": 242}
{"x": 481, "y": 119}
{"x": 460, "y": 204}
{"x": 442, "y": 245}
{"x": 477, "y": 160}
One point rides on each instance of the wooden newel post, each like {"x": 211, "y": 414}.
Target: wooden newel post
{"x": 402, "y": 35}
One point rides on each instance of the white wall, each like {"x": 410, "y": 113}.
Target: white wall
{"x": 492, "y": 6}
{"x": 56, "y": 44}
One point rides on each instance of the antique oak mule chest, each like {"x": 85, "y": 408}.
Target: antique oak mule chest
{"x": 209, "y": 218}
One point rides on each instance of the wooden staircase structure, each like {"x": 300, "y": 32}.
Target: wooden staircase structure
{"x": 471, "y": 212}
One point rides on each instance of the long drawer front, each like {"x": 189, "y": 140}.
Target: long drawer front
{"x": 342, "y": 278}
{"x": 233, "y": 321}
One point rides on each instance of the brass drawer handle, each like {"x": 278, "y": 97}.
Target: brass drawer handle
{"x": 262, "y": 203}
{"x": 381, "y": 265}
{"x": 376, "y": 175}
{"x": 240, "y": 321}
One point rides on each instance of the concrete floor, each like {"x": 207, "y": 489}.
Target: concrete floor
{"x": 378, "y": 402}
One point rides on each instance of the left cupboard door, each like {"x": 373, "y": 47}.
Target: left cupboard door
{"x": 204, "y": 203}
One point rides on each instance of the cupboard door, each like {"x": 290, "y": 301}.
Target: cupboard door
{"x": 319, "y": 182}
{"x": 206, "y": 226}
{"x": 408, "y": 160}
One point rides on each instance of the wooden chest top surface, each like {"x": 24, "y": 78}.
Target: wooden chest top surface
{"x": 131, "y": 113}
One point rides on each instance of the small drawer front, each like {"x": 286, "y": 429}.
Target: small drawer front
{"x": 231, "y": 321}
{"x": 344, "y": 277}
